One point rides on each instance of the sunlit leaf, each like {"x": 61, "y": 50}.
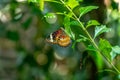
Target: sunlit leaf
{"x": 105, "y": 47}
{"x": 115, "y": 14}
{"x": 41, "y": 4}
{"x": 100, "y": 29}
{"x": 84, "y": 10}
{"x": 32, "y": 0}
{"x": 115, "y": 51}
{"x": 72, "y": 3}
{"x": 113, "y": 55}
{"x": 118, "y": 76}
{"x": 92, "y": 23}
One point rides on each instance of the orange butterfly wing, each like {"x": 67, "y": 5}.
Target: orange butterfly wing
{"x": 59, "y": 37}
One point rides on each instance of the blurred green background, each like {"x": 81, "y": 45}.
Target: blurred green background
{"x": 25, "y": 55}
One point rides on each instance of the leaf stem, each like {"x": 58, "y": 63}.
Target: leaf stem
{"x": 90, "y": 38}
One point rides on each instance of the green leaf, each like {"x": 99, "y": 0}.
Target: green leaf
{"x": 84, "y": 10}
{"x": 41, "y": 4}
{"x": 33, "y": 1}
{"x": 105, "y": 47}
{"x": 72, "y": 35}
{"x": 113, "y": 55}
{"x": 72, "y": 3}
{"x": 92, "y": 23}
{"x": 76, "y": 23}
{"x": 80, "y": 39}
{"x": 67, "y": 27}
{"x": 115, "y": 51}
{"x": 83, "y": 38}
{"x": 74, "y": 43}
{"x": 54, "y": 1}
{"x": 66, "y": 22}
{"x": 91, "y": 48}
{"x": 77, "y": 40}
{"x": 118, "y": 76}
{"x": 100, "y": 29}
{"x": 80, "y": 0}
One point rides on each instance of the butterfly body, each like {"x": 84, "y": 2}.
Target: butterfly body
{"x": 59, "y": 37}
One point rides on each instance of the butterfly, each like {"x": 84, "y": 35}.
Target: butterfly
{"x": 59, "y": 37}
